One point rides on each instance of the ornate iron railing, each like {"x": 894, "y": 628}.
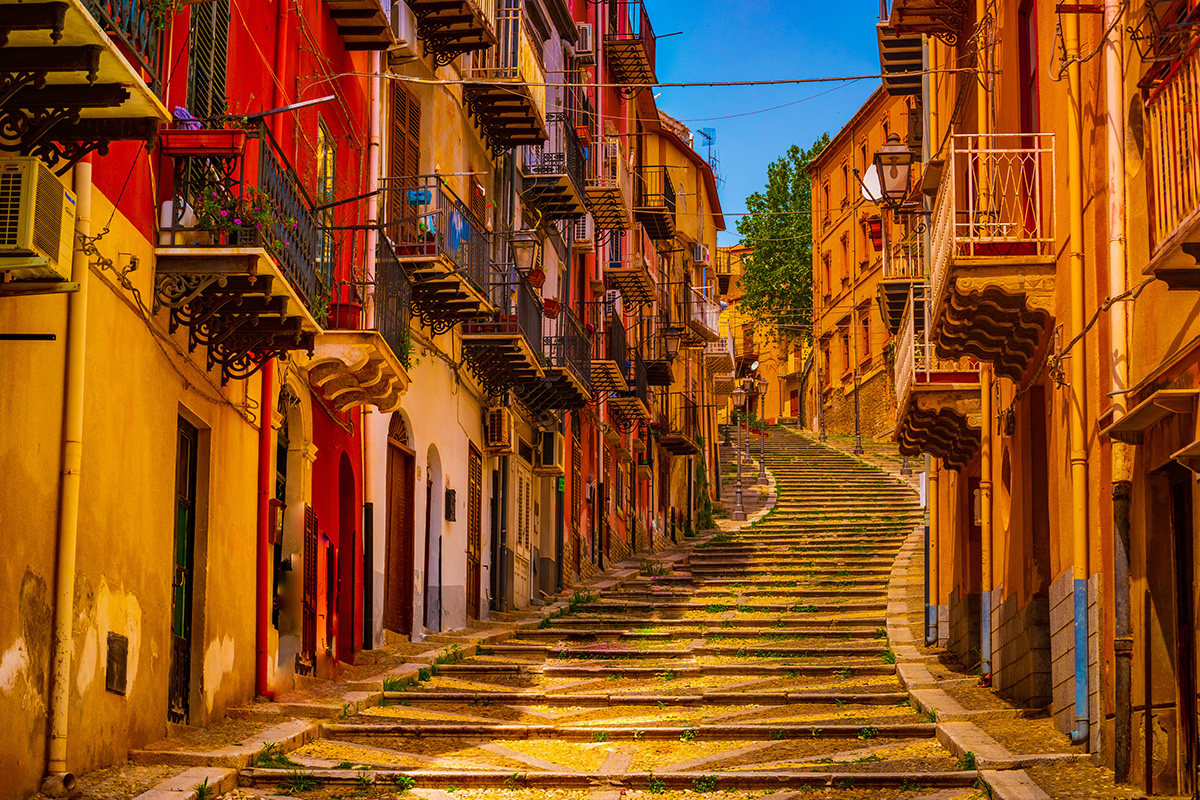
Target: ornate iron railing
{"x": 606, "y": 167}
{"x": 431, "y": 222}
{"x": 568, "y": 346}
{"x": 639, "y": 386}
{"x": 1174, "y": 134}
{"x": 514, "y": 58}
{"x": 996, "y": 198}
{"x": 655, "y": 191}
{"x": 562, "y": 154}
{"x": 636, "y": 26}
{"x": 136, "y": 25}
{"x": 519, "y": 311}
{"x": 251, "y": 200}
{"x": 393, "y": 300}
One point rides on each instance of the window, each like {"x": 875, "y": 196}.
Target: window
{"x": 827, "y": 265}
{"x": 845, "y": 184}
{"x": 865, "y": 323}
{"x": 208, "y": 49}
{"x": 326, "y": 176}
{"x": 847, "y": 356}
{"x": 404, "y": 153}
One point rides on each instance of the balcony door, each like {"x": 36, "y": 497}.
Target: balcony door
{"x": 474, "y": 529}
{"x": 401, "y": 489}
{"x": 522, "y": 529}
{"x": 180, "y": 678}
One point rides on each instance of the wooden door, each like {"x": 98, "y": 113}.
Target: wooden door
{"x": 398, "y": 578}
{"x": 524, "y": 522}
{"x": 1185, "y": 627}
{"x": 428, "y": 550}
{"x": 307, "y": 657}
{"x": 179, "y": 682}
{"x": 474, "y": 529}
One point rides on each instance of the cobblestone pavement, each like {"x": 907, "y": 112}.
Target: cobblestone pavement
{"x": 777, "y": 659}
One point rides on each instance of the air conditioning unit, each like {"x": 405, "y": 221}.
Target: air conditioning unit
{"x": 37, "y": 221}
{"x": 550, "y": 455}
{"x": 585, "y": 50}
{"x": 700, "y": 253}
{"x": 585, "y": 234}
{"x": 404, "y": 29}
{"x": 499, "y": 436}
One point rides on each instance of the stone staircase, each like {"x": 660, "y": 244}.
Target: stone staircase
{"x": 756, "y": 660}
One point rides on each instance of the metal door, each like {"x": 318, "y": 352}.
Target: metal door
{"x": 474, "y": 529}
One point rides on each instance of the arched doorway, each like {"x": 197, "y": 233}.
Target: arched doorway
{"x": 401, "y": 502}
{"x": 433, "y": 541}
{"x": 348, "y": 558}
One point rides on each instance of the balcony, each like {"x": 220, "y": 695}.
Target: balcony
{"x": 654, "y": 202}
{"x": 991, "y": 259}
{"x": 718, "y": 356}
{"x": 701, "y": 317}
{"x": 443, "y": 247}
{"x": 723, "y": 385}
{"x": 504, "y": 348}
{"x": 79, "y": 74}
{"x": 1174, "y": 176}
{"x": 629, "y": 44}
{"x": 659, "y": 363}
{"x": 608, "y": 186}
{"x": 553, "y": 172}
{"x": 609, "y": 353}
{"x": 941, "y": 19}
{"x": 567, "y": 362}
{"x": 901, "y": 59}
{"x": 452, "y": 27}
{"x": 903, "y": 267}
{"x": 362, "y": 24}
{"x": 241, "y": 261}
{"x": 362, "y": 358}
{"x": 937, "y": 400}
{"x": 630, "y": 273}
{"x": 680, "y": 427}
{"x": 632, "y": 406}
{"x": 505, "y": 86}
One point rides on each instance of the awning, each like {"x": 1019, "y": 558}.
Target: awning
{"x": 1155, "y": 408}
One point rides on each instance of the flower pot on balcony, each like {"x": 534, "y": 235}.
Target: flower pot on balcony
{"x": 875, "y": 227}
{"x": 424, "y": 245}
{"x": 550, "y": 307}
{"x": 585, "y": 135}
{"x": 345, "y": 316}
{"x": 219, "y": 143}
{"x": 536, "y": 277}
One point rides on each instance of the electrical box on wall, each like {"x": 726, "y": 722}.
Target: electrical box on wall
{"x": 451, "y": 500}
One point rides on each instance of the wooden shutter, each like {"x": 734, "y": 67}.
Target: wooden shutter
{"x": 208, "y": 50}
{"x": 398, "y": 575}
{"x": 308, "y": 633}
{"x": 474, "y": 529}
{"x": 405, "y": 152}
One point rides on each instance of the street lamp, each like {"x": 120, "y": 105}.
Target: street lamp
{"x": 762, "y": 431}
{"x": 526, "y": 251}
{"x": 893, "y": 163}
{"x": 673, "y": 337}
{"x": 739, "y": 402}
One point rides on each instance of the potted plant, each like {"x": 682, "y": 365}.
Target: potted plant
{"x": 875, "y": 228}
{"x": 550, "y": 307}
{"x": 246, "y": 221}
{"x": 183, "y": 142}
{"x": 536, "y": 277}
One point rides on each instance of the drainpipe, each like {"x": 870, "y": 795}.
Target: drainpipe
{"x": 932, "y": 557}
{"x": 985, "y": 514}
{"x": 58, "y": 782}
{"x": 1077, "y": 378}
{"x": 1119, "y": 452}
{"x": 373, "y": 431}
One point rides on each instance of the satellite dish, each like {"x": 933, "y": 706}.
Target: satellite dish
{"x": 871, "y": 190}
{"x": 754, "y": 366}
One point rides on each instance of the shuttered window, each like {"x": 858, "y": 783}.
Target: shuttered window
{"x": 208, "y": 50}
{"x": 405, "y": 154}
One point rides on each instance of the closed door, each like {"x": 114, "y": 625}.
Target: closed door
{"x": 428, "y": 550}
{"x": 398, "y": 579}
{"x": 179, "y": 681}
{"x": 474, "y": 529}
{"x": 524, "y": 524}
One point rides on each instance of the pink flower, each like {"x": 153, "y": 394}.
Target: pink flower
{"x": 237, "y": 221}
{"x": 224, "y": 213}
{"x": 259, "y": 226}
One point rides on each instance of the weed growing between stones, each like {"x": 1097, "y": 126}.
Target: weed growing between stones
{"x": 298, "y": 780}
{"x": 203, "y": 790}
{"x": 869, "y": 732}
{"x": 888, "y": 656}
{"x": 271, "y": 757}
{"x": 654, "y": 785}
{"x": 967, "y": 762}
{"x": 688, "y": 735}
{"x": 705, "y": 783}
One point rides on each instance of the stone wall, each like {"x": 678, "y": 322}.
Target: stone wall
{"x": 964, "y": 628}
{"x": 1021, "y": 653}
{"x": 877, "y": 407}
{"x": 1062, "y": 649}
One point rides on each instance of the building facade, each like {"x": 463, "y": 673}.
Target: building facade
{"x": 329, "y": 328}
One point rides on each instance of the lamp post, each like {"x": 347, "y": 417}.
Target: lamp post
{"x": 739, "y": 402}
{"x": 762, "y": 432}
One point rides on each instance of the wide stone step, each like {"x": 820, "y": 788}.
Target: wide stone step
{"x": 702, "y": 732}
{"x": 584, "y": 699}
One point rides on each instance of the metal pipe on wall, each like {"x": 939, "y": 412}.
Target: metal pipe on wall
{"x": 58, "y": 781}
{"x": 263, "y": 549}
{"x": 1078, "y": 375}
{"x": 932, "y": 555}
{"x": 985, "y": 514}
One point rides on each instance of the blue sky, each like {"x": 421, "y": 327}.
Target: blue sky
{"x": 762, "y": 40}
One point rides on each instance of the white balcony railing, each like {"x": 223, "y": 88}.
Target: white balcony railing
{"x": 1174, "y": 138}
{"x": 514, "y": 59}
{"x": 996, "y": 199}
{"x": 607, "y": 168}
{"x": 916, "y": 361}
{"x": 906, "y": 258}
{"x": 704, "y": 312}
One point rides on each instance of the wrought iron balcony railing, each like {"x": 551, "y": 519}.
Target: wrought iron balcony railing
{"x": 254, "y": 199}
{"x": 630, "y": 42}
{"x": 996, "y": 200}
{"x": 567, "y": 346}
{"x": 655, "y": 201}
{"x": 638, "y": 384}
{"x": 393, "y": 300}
{"x": 431, "y": 223}
{"x": 611, "y": 343}
{"x": 561, "y": 155}
{"x": 506, "y": 85}
{"x": 519, "y": 312}
{"x": 137, "y": 25}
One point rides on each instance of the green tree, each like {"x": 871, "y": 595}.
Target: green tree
{"x": 777, "y": 276}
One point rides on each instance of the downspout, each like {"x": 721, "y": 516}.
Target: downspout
{"x": 932, "y": 557}
{"x": 1120, "y": 456}
{"x": 985, "y": 514}
{"x": 263, "y": 548}
{"x": 1078, "y": 377}
{"x": 373, "y": 421}
{"x": 58, "y": 782}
